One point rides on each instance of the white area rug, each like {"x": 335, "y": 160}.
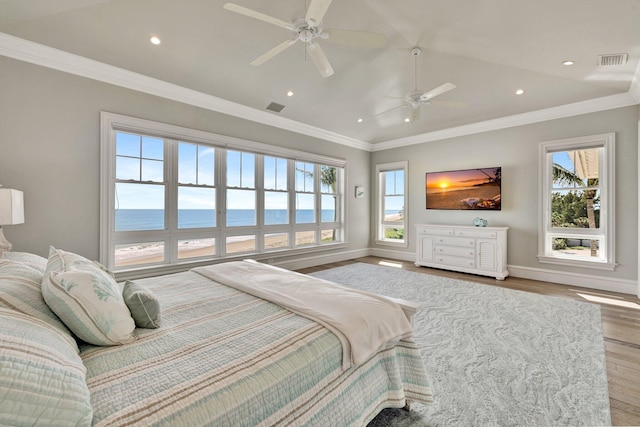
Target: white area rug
{"x": 495, "y": 356}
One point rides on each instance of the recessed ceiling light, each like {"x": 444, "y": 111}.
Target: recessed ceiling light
{"x": 569, "y": 62}
{"x": 360, "y": 120}
{"x": 290, "y": 93}
{"x": 519, "y": 92}
{"x": 154, "y": 40}
{"x": 407, "y": 120}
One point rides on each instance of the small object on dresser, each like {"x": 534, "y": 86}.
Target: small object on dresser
{"x": 479, "y": 222}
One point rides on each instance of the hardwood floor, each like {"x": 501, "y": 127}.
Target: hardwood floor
{"x": 620, "y": 328}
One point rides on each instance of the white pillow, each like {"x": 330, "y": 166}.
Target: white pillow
{"x": 87, "y": 299}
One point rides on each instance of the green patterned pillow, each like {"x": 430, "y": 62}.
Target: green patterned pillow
{"x": 42, "y": 378}
{"x": 87, "y": 299}
{"x": 143, "y": 305}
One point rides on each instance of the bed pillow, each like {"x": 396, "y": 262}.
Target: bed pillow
{"x": 20, "y": 290}
{"x": 87, "y": 299}
{"x": 32, "y": 260}
{"x": 143, "y": 305}
{"x": 42, "y": 378}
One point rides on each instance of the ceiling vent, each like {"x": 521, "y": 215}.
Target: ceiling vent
{"x": 275, "y": 107}
{"x": 611, "y": 60}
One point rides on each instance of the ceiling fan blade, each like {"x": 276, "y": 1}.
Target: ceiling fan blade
{"x": 316, "y": 11}
{"x": 437, "y": 91}
{"x": 360, "y": 38}
{"x": 273, "y": 52}
{"x": 391, "y": 109}
{"x": 450, "y": 104}
{"x": 320, "y": 59}
{"x": 257, "y": 15}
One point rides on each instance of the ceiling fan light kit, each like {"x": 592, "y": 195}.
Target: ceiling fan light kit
{"x": 307, "y": 29}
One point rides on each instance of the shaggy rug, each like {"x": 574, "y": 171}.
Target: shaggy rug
{"x": 495, "y": 356}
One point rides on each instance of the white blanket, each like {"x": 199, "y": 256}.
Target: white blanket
{"x": 364, "y": 322}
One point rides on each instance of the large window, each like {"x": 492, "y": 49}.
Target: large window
{"x": 577, "y": 202}
{"x": 392, "y": 201}
{"x": 172, "y": 195}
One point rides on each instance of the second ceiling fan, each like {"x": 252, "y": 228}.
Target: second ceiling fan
{"x": 308, "y": 30}
{"x": 418, "y": 98}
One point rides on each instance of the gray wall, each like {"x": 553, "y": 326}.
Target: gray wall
{"x": 50, "y": 149}
{"x": 516, "y": 151}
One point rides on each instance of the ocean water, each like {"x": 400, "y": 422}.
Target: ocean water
{"x": 153, "y": 219}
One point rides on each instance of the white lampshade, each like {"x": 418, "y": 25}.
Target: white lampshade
{"x": 11, "y": 206}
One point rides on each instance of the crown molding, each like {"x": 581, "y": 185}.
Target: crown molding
{"x": 575, "y": 109}
{"x": 634, "y": 89}
{"x": 35, "y": 53}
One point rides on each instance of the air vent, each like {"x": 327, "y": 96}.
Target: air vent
{"x": 611, "y": 60}
{"x": 275, "y": 107}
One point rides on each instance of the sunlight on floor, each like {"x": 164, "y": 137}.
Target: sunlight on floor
{"x": 390, "y": 264}
{"x": 611, "y": 301}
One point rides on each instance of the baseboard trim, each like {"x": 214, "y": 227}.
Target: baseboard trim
{"x": 319, "y": 259}
{"x": 553, "y": 276}
{"x": 575, "y": 279}
{"x": 389, "y": 253}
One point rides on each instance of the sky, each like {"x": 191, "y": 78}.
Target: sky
{"x": 141, "y": 158}
{"x": 456, "y": 179}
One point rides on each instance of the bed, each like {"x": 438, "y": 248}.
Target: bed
{"x": 219, "y": 356}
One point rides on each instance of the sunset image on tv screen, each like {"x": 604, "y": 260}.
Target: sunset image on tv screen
{"x": 464, "y": 189}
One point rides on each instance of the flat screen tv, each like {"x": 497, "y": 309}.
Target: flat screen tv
{"x": 468, "y": 189}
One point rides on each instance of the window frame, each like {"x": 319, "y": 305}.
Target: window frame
{"x": 381, "y": 224}
{"x": 173, "y": 135}
{"x": 606, "y": 185}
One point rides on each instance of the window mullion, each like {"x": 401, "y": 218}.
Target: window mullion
{"x": 221, "y": 200}
{"x": 317, "y": 173}
{"x": 291, "y": 194}
{"x": 171, "y": 203}
{"x": 258, "y": 180}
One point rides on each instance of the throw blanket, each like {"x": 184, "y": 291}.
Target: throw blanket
{"x": 363, "y": 322}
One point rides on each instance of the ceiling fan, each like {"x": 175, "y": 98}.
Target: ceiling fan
{"x": 418, "y": 98}
{"x": 307, "y": 29}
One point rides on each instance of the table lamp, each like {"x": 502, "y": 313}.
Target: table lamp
{"x": 11, "y": 212}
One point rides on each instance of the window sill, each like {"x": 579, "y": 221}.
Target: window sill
{"x": 569, "y": 262}
{"x": 402, "y": 244}
{"x": 268, "y": 257}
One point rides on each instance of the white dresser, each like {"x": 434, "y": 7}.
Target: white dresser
{"x": 476, "y": 250}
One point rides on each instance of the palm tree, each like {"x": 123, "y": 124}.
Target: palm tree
{"x": 328, "y": 178}
{"x": 564, "y": 176}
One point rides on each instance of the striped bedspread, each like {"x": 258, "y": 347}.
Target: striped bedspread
{"x": 225, "y": 358}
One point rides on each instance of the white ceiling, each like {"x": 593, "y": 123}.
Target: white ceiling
{"x": 487, "y": 48}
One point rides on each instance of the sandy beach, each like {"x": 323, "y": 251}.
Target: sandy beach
{"x": 146, "y": 254}
{"x": 463, "y": 199}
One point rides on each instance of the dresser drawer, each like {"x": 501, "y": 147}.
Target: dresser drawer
{"x": 455, "y": 251}
{"x": 456, "y": 241}
{"x": 485, "y": 234}
{"x": 457, "y": 261}
{"x": 436, "y": 231}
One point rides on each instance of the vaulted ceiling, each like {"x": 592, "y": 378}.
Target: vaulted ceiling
{"x": 488, "y": 49}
